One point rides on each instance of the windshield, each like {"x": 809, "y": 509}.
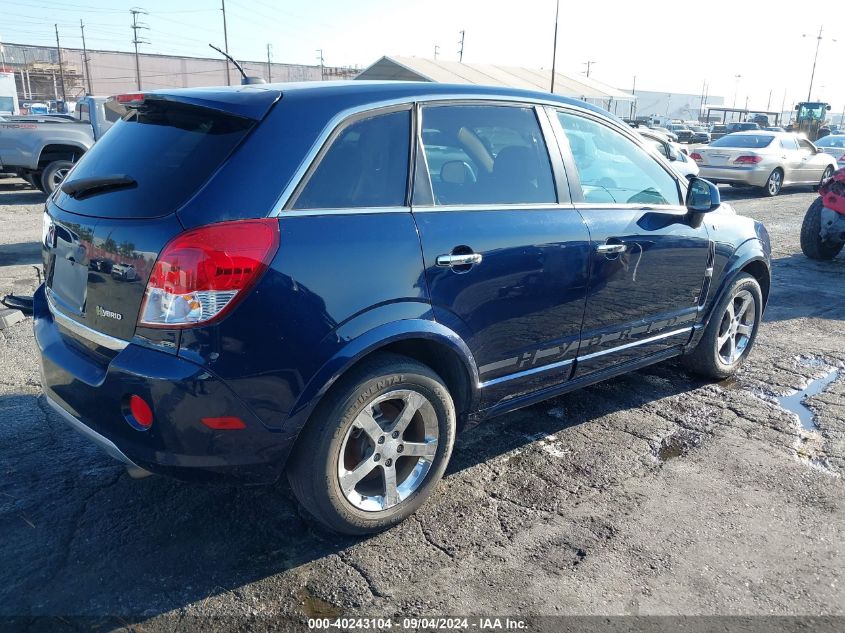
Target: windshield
{"x": 751, "y": 141}
{"x": 831, "y": 141}
{"x": 812, "y": 111}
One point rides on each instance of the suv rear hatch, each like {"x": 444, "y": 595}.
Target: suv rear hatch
{"x": 105, "y": 227}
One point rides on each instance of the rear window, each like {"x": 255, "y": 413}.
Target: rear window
{"x": 750, "y": 141}
{"x": 169, "y": 149}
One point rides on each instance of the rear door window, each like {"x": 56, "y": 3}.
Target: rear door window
{"x": 613, "y": 169}
{"x": 486, "y": 155}
{"x": 789, "y": 143}
{"x": 366, "y": 165}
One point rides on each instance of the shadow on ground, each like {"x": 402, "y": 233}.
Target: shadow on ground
{"x": 82, "y": 538}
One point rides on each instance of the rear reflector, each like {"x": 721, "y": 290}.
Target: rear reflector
{"x": 201, "y": 274}
{"x": 748, "y": 160}
{"x": 224, "y": 424}
{"x": 141, "y": 413}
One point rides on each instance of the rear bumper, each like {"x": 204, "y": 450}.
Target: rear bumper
{"x": 103, "y": 442}
{"x": 753, "y": 176}
{"x": 91, "y": 392}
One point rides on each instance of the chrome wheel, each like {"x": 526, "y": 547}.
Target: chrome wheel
{"x": 736, "y": 328}
{"x": 775, "y": 183}
{"x": 388, "y": 450}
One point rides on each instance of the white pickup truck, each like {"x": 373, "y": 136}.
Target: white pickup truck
{"x": 41, "y": 149}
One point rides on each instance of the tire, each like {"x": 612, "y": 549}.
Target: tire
{"x": 334, "y": 445}
{"x": 34, "y": 179}
{"x": 828, "y": 172}
{"x": 812, "y": 244}
{"x": 53, "y": 175}
{"x": 774, "y": 183}
{"x": 708, "y": 358}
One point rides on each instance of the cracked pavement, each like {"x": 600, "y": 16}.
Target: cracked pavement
{"x": 651, "y": 494}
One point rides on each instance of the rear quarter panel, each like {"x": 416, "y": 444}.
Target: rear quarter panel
{"x": 334, "y": 278}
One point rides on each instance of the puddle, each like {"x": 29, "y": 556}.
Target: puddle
{"x": 677, "y": 445}
{"x": 794, "y": 403}
{"x": 314, "y": 607}
{"x": 809, "y": 443}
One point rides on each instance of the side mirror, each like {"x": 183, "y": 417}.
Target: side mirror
{"x": 672, "y": 152}
{"x": 702, "y": 196}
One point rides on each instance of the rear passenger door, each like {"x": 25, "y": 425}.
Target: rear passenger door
{"x": 648, "y": 265}
{"x": 505, "y": 252}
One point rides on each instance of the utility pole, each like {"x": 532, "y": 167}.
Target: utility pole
{"x": 138, "y": 40}
{"x": 589, "y": 65}
{"x": 436, "y": 50}
{"x": 819, "y": 39}
{"x": 554, "y": 49}
{"x": 736, "y": 88}
{"x": 269, "y": 70}
{"x": 634, "y": 94}
{"x": 225, "y": 41}
{"x": 322, "y": 64}
{"x": 461, "y": 52}
{"x": 85, "y": 59}
{"x": 769, "y": 102}
{"x": 61, "y": 67}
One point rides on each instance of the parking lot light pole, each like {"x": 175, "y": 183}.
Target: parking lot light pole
{"x": 736, "y": 88}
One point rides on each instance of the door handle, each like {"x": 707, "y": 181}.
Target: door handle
{"x": 610, "y": 249}
{"x": 464, "y": 259}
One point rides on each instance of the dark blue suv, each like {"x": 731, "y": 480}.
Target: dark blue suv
{"x": 329, "y": 280}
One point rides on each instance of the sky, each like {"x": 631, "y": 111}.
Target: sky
{"x": 669, "y": 46}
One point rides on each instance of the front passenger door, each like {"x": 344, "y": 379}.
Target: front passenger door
{"x": 648, "y": 263}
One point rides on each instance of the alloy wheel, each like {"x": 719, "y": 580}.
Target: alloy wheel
{"x": 57, "y": 177}
{"x": 736, "y": 328}
{"x": 775, "y": 182}
{"x": 388, "y": 450}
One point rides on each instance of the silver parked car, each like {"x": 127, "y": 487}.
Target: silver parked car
{"x": 770, "y": 160}
{"x": 671, "y": 152}
{"x": 833, "y": 144}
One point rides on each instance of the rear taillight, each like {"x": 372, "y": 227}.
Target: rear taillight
{"x": 748, "y": 160}
{"x": 696, "y": 157}
{"x": 201, "y": 274}
{"x": 842, "y": 158}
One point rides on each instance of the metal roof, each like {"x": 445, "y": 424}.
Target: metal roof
{"x": 422, "y": 69}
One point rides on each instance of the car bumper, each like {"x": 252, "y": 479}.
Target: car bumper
{"x": 752, "y": 176}
{"x": 90, "y": 389}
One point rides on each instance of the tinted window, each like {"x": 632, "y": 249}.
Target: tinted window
{"x": 169, "y": 149}
{"x": 831, "y": 141}
{"x": 788, "y": 143}
{"x": 366, "y": 166}
{"x": 751, "y": 141}
{"x": 614, "y": 169}
{"x": 486, "y": 155}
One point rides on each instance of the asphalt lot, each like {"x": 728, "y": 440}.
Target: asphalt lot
{"x": 652, "y": 494}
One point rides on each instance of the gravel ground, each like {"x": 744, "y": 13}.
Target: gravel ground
{"x": 651, "y": 494}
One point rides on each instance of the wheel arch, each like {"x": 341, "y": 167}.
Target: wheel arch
{"x": 427, "y": 342}
{"x": 60, "y": 151}
{"x": 750, "y": 257}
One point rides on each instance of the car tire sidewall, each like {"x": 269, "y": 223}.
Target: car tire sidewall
{"x": 327, "y": 501}
{"x": 812, "y": 244}
{"x": 50, "y": 170}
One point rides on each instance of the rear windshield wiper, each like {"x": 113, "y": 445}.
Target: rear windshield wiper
{"x": 83, "y": 187}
